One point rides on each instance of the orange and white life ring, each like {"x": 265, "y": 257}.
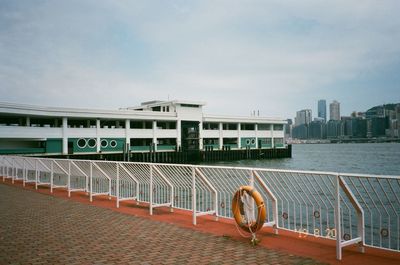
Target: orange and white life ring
{"x": 238, "y": 209}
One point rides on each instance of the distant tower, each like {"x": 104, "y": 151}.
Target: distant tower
{"x": 322, "y": 109}
{"x": 334, "y": 109}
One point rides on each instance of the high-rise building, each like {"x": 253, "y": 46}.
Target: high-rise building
{"x": 322, "y": 109}
{"x": 334, "y": 111}
{"x": 303, "y": 117}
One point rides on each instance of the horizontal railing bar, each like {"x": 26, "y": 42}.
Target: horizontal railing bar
{"x": 83, "y": 189}
{"x": 127, "y": 199}
{"x": 268, "y": 224}
{"x": 99, "y": 193}
{"x": 351, "y": 241}
{"x": 204, "y": 213}
{"x": 161, "y": 205}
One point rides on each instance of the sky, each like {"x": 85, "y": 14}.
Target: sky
{"x": 277, "y": 57}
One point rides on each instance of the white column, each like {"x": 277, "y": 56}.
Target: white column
{"x": 256, "y": 132}
{"x": 127, "y": 128}
{"x": 272, "y": 136}
{"x": 201, "y": 135}
{"x": 220, "y": 136}
{"x": 239, "y": 137}
{"x": 155, "y": 135}
{"x": 28, "y": 121}
{"x": 98, "y": 135}
{"x": 64, "y": 136}
{"x": 179, "y": 134}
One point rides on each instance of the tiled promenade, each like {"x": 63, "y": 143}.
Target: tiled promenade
{"x": 41, "y": 229}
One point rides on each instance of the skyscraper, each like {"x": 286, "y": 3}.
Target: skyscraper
{"x": 322, "y": 109}
{"x": 334, "y": 111}
{"x": 303, "y": 117}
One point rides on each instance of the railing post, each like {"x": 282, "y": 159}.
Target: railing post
{"x": 36, "y": 174}
{"x": 194, "y": 196}
{"x": 109, "y": 187}
{"x": 91, "y": 182}
{"x": 171, "y": 209}
{"x": 337, "y": 219}
{"x": 13, "y": 171}
{"x": 3, "y": 167}
{"x": 359, "y": 210}
{"x": 51, "y": 176}
{"x": 69, "y": 178}
{"x": 117, "y": 186}
{"x": 137, "y": 193}
{"x": 87, "y": 180}
{"x": 151, "y": 190}
{"x": 24, "y": 173}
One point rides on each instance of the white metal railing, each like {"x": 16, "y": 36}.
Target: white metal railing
{"x": 349, "y": 208}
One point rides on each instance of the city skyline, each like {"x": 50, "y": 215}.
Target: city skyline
{"x": 276, "y": 57}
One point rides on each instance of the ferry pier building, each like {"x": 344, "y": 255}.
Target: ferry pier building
{"x": 155, "y": 127}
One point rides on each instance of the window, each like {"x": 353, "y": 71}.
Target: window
{"x": 81, "y": 143}
{"x": 113, "y": 143}
{"x": 104, "y": 143}
{"x": 166, "y": 125}
{"x": 210, "y": 141}
{"x": 264, "y": 127}
{"x": 247, "y": 127}
{"x": 230, "y": 126}
{"x": 189, "y": 105}
{"x": 141, "y": 124}
{"x": 278, "y": 127}
{"x": 91, "y": 143}
{"x": 210, "y": 126}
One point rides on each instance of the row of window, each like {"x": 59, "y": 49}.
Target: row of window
{"x": 92, "y": 143}
{"x": 120, "y": 124}
{"x": 251, "y": 141}
{"x": 243, "y": 126}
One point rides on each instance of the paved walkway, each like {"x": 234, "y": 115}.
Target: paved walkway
{"x": 41, "y": 229}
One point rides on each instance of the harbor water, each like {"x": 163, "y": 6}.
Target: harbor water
{"x": 367, "y": 158}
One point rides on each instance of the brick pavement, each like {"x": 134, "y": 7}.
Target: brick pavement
{"x": 41, "y": 229}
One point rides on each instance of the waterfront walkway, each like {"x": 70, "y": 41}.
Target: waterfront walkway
{"x": 36, "y": 228}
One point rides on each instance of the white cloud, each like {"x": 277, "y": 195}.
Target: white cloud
{"x": 238, "y": 56}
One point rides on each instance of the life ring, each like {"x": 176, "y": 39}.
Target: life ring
{"x": 238, "y": 209}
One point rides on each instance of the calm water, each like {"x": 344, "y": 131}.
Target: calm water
{"x": 368, "y": 158}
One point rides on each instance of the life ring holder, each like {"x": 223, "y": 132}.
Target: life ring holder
{"x": 237, "y": 205}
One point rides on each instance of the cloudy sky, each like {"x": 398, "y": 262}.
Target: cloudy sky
{"x": 274, "y": 56}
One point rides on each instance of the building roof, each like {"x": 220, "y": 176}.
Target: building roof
{"x": 32, "y": 110}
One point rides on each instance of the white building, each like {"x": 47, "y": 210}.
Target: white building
{"x": 156, "y": 125}
{"x": 334, "y": 111}
{"x": 303, "y": 117}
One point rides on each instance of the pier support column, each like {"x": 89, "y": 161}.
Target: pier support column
{"x": 220, "y": 142}
{"x": 98, "y": 135}
{"x": 127, "y": 139}
{"x": 256, "y": 132}
{"x": 64, "y": 136}
{"x": 201, "y": 135}
{"x": 272, "y": 136}
{"x": 179, "y": 134}
{"x": 239, "y": 142}
{"x": 155, "y": 135}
